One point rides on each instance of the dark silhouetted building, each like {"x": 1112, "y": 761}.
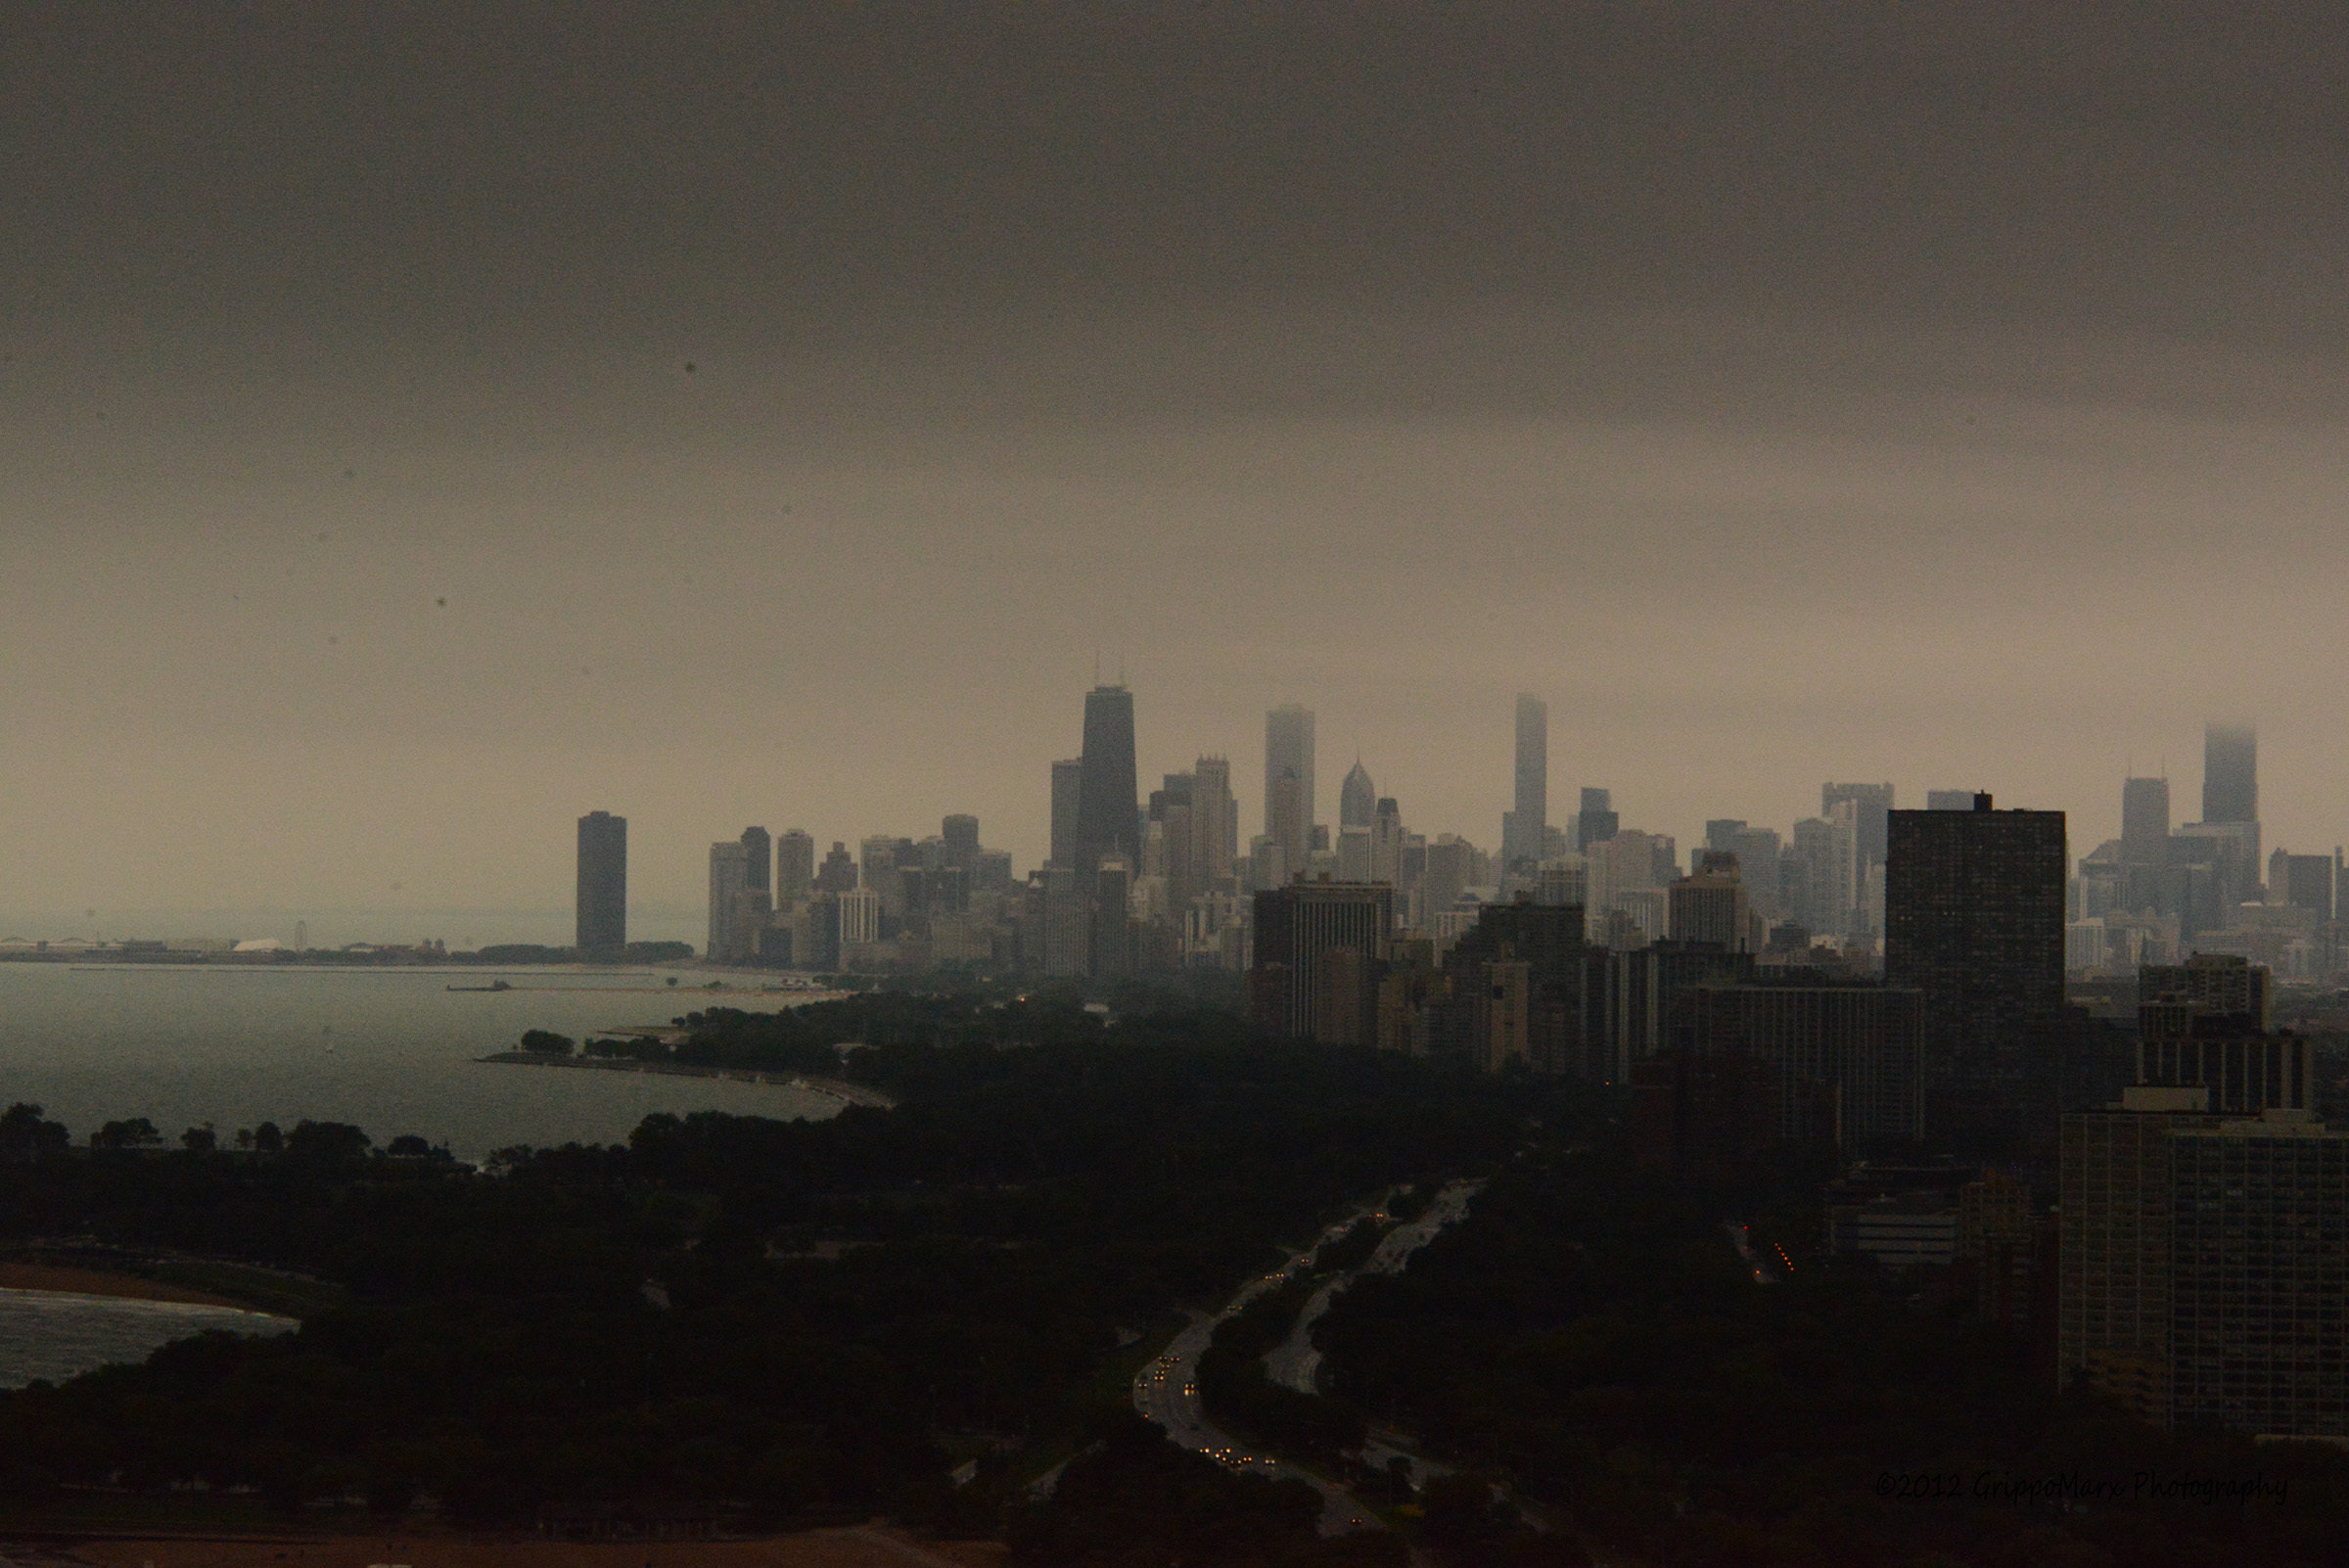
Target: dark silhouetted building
{"x": 1108, "y": 798}
{"x": 759, "y": 859}
{"x": 2229, "y": 773}
{"x": 794, "y": 868}
{"x": 2305, "y": 883}
{"x": 837, "y": 874}
{"x": 1515, "y": 991}
{"x": 1596, "y": 823}
{"x": 730, "y": 880}
{"x": 602, "y": 906}
{"x": 1525, "y": 829}
{"x": 961, "y": 848}
{"x": 1068, "y": 794}
{"x": 1973, "y": 918}
{"x": 2145, "y": 820}
{"x": 1845, "y": 1064}
{"x": 1709, "y": 905}
{"x": 1319, "y": 949}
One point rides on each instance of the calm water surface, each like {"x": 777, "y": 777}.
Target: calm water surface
{"x": 391, "y": 1050}
{"x": 53, "y": 1335}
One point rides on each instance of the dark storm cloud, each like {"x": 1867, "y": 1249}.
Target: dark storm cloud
{"x": 451, "y": 417}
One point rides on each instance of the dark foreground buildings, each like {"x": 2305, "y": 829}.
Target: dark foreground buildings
{"x": 1973, "y": 921}
{"x": 1320, "y": 950}
{"x": 603, "y": 888}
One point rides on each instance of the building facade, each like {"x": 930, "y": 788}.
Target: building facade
{"x": 601, "y": 922}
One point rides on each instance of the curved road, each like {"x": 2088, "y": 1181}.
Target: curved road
{"x": 1167, "y": 1390}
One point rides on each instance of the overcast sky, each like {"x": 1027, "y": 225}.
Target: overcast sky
{"x": 419, "y": 427}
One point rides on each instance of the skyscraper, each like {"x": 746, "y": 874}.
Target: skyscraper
{"x": 961, "y": 835}
{"x": 1068, "y": 789}
{"x": 758, "y": 855}
{"x": 1357, "y": 798}
{"x": 1108, "y": 803}
{"x": 729, "y": 879}
{"x": 839, "y": 871}
{"x": 1527, "y": 826}
{"x": 1317, "y": 949}
{"x": 1214, "y": 819}
{"x": 1596, "y": 823}
{"x": 795, "y": 867}
{"x": 603, "y": 883}
{"x": 2145, "y": 820}
{"x": 1874, "y": 802}
{"x": 1289, "y": 753}
{"x": 1284, "y": 822}
{"x": 1974, "y": 911}
{"x": 2229, "y": 773}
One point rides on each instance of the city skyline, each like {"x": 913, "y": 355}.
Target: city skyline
{"x": 403, "y": 469}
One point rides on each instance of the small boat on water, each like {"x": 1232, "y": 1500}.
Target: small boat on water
{"x": 495, "y": 985}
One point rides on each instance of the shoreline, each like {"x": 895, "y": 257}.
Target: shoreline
{"x": 837, "y": 1089}
{"x": 64, "y": 1279}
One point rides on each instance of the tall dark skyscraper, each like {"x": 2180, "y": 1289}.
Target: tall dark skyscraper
{"x": 1318, "y": 945}
{"x": 603, "y": 889}
{"x": 961, "y": 835}
{"x": 795, "y": 867}
{"x": 1108, "y": 798}
{"x": 1357, "y": 798}
{"x": 2145, "y": 820}
{"x": 1527, "y": 825}
{"x": 758, "y": 855}
{"x": 1068, "y": 789}
{"x": 1973, "y": 918}
{"x": 2229, "y": 773}
{"x": 1598, "y": 821}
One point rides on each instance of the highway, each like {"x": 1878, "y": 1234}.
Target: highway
{"x": 1167, "y": 1390}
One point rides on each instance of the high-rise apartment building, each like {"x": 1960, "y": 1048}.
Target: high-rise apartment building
{"x": 2203, "y": 1262}
{"x": 795, "y": 867}
{"x": 2229, "y": 773}
{"x": 1974, "y": 916}
{"x": 1289, "y": 755}
{"x": 730, "y": 880}
{"x": 759, "y": 857}
{"x": 1526, "y": 828}
{"x": 1843, "y": 1065}
{"x": 1318, "y": 945}
{"x": 1709, "y": 905}
{"x": 1068, "y": 791}
{"x": 1108, "y": 802}
{"x": 602, "y": 906}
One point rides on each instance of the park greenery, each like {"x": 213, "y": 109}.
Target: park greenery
{"x": 1586, "y": 1339}
{"x": 767, "y": 1322}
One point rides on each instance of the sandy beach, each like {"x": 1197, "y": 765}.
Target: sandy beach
{"x": 97, "y": 1282}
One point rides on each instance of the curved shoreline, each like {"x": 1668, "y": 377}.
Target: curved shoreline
{"x": 63, "y": 1279}
{"x": 835, "y": 1088}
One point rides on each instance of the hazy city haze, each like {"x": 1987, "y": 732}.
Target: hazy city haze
{"x": 422, "y": 429}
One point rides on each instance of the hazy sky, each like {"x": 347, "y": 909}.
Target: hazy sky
{"x": 419, "y": 427}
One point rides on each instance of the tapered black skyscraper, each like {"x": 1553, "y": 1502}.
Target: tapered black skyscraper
{"x": 603, "y": 892}
{"x": 1108, "y": 803}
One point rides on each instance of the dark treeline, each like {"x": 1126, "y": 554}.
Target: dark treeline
{"x": 787, "y": 1322}
{"x": 1588, "y": 1337}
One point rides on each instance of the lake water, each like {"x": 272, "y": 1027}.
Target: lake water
{"x": 53, "y": 1335}
{"x": 389, "y": 1050}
